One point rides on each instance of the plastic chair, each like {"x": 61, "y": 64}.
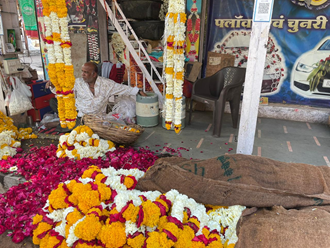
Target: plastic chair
{"x": 225, "y": 85}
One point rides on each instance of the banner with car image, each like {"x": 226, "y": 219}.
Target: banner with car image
{"x": 297, "y": 67}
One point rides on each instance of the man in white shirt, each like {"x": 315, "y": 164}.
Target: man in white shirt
{"x": 92, "y": 92}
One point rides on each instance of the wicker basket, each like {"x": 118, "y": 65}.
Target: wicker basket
{"x": 115, "y": 132}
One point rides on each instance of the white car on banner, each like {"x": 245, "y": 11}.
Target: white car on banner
{"x": 304, "y": 65}
{"x": 237, "y": 43}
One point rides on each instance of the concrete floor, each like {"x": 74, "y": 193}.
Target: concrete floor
{"x": 282, "y": 140}
{"x": 287, "y": 141}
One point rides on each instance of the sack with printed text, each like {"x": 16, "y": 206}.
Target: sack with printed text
{"x": 237, "y": 179}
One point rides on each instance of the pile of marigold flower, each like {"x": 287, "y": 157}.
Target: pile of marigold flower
{"x": 10, "y": 137}
{"x": 43, "y": 171}
{"x": 83, "y": 143}
{"x": 102, "y": 209}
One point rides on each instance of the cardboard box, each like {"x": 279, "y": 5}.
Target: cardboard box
{"x": 19, "y": 119}
{"x": 192, "y": 70}
{"x": 217, "y": 61}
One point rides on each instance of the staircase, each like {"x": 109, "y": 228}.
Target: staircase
{"x": 141, "y": 57}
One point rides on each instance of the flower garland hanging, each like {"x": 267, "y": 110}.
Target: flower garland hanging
{"x": 318, "y": 74}
{"x": 83, "y": 143}
{"x": 174, "y": 62}
{"x": 60, "y": 68}
{"x": 102, "y": 208}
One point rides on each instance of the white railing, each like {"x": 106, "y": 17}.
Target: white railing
{"x": 132, "y": 50}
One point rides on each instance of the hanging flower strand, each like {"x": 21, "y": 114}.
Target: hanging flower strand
{"x": 60, "y": 66}
{"x": 174, "y": 63}
{"x": 68, "y": 83}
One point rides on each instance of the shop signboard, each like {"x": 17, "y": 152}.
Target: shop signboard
{"x": 297, "y": 49}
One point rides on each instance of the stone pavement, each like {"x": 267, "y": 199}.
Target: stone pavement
{"x": 282, "y": 140}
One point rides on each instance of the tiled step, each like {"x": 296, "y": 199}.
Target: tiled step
{"x": 9, "y": 180}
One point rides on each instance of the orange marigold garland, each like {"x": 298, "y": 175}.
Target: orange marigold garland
{"x": 60, "y": 68}
{"x": 98, "y": 210}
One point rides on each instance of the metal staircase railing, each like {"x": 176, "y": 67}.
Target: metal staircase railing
{"x": 132, "y": 50}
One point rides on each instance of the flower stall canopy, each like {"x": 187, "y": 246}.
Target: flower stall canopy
{"x": 297, "y": 62}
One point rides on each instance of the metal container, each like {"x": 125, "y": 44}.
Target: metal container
{"x": 147, "y": 110}
{"x": 29, "y": 121}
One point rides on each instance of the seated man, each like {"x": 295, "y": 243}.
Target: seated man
{"x": 92, "y": 92}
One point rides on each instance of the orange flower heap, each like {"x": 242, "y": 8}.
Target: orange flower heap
{"x": 97, "y": 210}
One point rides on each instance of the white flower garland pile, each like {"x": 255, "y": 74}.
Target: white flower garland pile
{"x": 83, "y": 143}
{"x": 8, "y": 144}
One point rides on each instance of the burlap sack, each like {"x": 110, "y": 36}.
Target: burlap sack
{"x": 281, "y": 228}
{"x": 241, "y": 180}
{"x": 321, "y": 207}
{"x": 192, "y": 70}
{"x": 217, "y": 61}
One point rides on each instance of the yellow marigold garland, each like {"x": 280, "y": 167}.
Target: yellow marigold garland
{"x": 101, "y": 221}
{"x": 88, "y": 228}
{"x": 90, "y": 171}
{"x": 151, "y": 214}
{"x": 113, "y": 235}
{"x": 136, "y": 242}
{"x": 60, "y": 66}
{"x": 157, "y": 239}
{"x": 57, "y": 198}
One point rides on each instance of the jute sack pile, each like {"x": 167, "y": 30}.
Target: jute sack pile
{"x": 241, "y": 180}
{"x": 281, "y": 228}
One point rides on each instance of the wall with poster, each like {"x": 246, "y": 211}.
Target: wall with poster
{"x": 194, "y": 9}
{"x": 83, "y": 18}
{"x": 297, "y": 67}
{"x": 83, "y": 28}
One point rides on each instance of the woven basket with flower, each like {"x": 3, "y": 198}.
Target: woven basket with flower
{"x": 117, "y": 133}
{"x": 319, "y": 73}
